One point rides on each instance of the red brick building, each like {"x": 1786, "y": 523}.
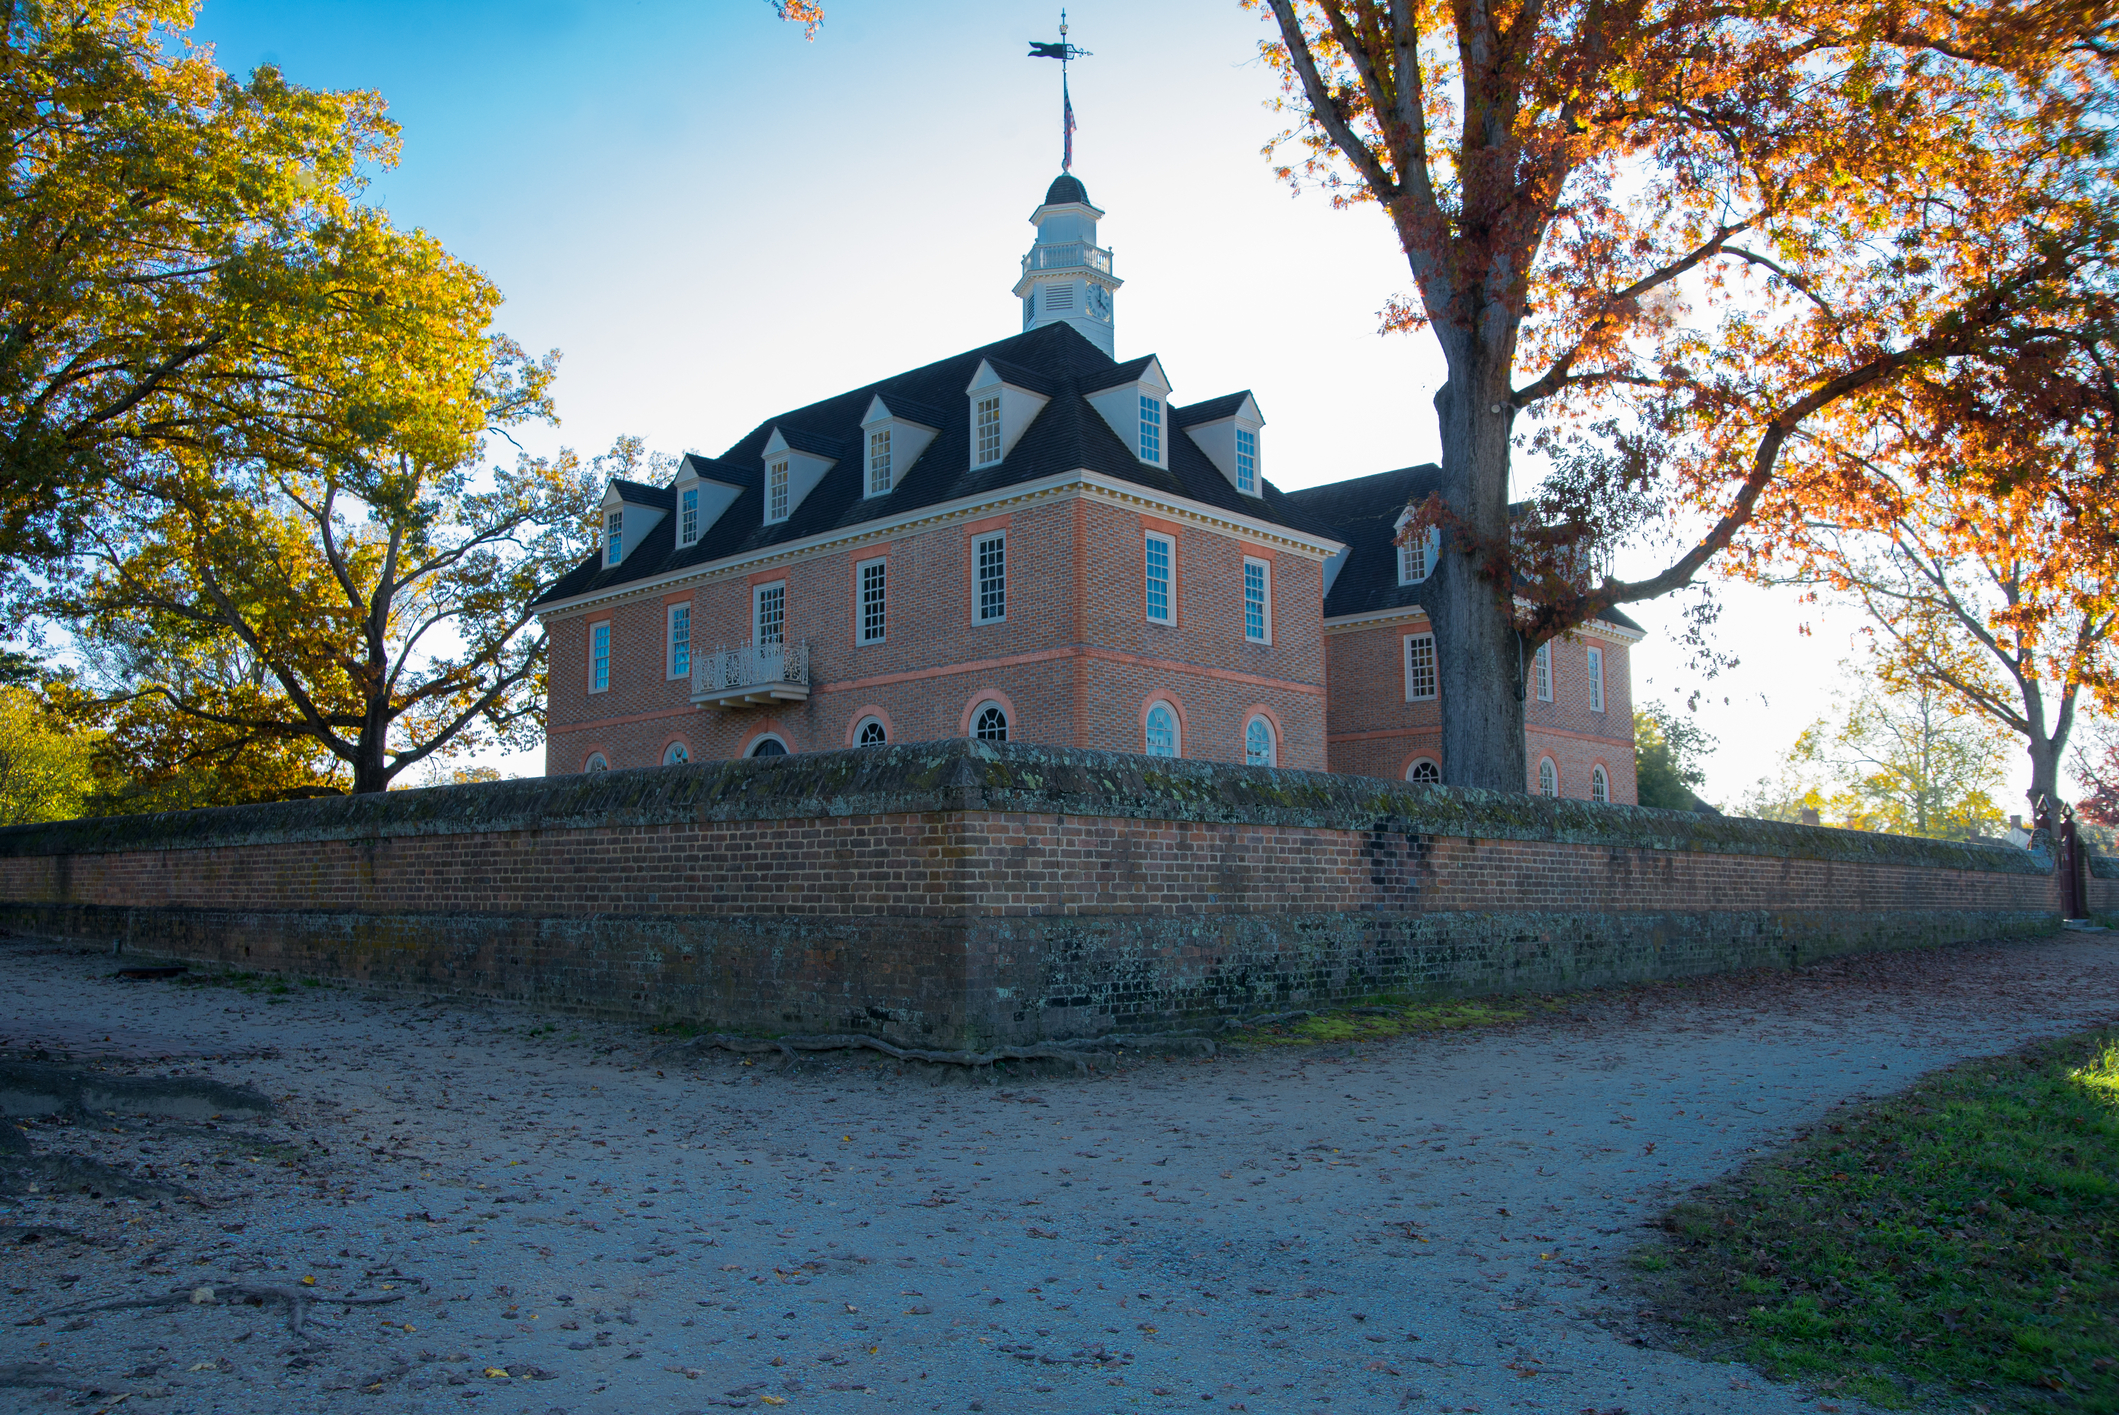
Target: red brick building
{"x": 1036, "y": 542}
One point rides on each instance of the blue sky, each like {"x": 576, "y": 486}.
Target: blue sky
{"x": 716, "y": 221}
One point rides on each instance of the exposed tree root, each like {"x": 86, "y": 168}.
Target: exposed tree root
{"x": 299, "y": 1301}
{"x": 1080, "y": 1052}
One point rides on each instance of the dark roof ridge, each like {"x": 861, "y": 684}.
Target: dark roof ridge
{"x": 910, "y": 410}
{"x": 1127, "y": 372}
{"x": 640, "y": 493}
{"x": 1208, "y": 410}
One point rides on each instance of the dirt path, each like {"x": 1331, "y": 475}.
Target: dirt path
{"x": 1422, "y": 1225}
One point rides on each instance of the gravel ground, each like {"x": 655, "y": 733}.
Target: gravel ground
{"x": 1430, "y": 1224}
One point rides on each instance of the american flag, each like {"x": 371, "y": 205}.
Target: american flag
{"x": 1067, "y": 106}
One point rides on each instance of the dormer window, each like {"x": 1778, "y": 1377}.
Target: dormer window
{"x": 988, "y": 425}
{"x": 688, "y": 516}
{"x": 776, "y": 491}
{"x": 1417, "y": 561}
{"x": 614, "y": 537}
{"x": 1247, "y": 461}
{"x": 1151, "y": 429}
{"x": 879, "y": 461}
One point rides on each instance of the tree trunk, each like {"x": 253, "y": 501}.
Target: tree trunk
{"x": 1479, "y": 657}
{"x": 372, "y": 771}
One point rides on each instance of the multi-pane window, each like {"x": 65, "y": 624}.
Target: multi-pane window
{"x": 677, "y": 754}
{"x": 688, "y": 516}
{"x": 1599, "y": 785}
{"x": 991, "y": 724}
{"x": 1151, "y": 429}
{"x": 769, "y": 613}
{"x": 990, "y": 556}
{"x": 680, "y": 641}
{"x": 1162, "y": 731}
{"x": 879, "y": 461}
{"x": 599, "y": 657}
{"x": 1413, "y": 560}
{"x": 1419, "y": 667}
{"x": 871, "y": 734}
{"x": 1548, "y": 777}
{"x": 1542, "y": 667}
{"x": 776, "y": 492}
{"x": 1246, "y": 461}
{"x": 1596, "y": 680}
{"x": 613, "y": 537}
{"x": 1257, "y": 609}
{"x": 1258, "y": 743}
{"x": 1161, "y": 558}
{"x": 1425, "y": 773}
{"x": 988, "y": 427}
{"x": 875, "y": 576}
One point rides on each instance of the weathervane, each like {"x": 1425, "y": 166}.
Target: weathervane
{"x": 1062, "y": 51}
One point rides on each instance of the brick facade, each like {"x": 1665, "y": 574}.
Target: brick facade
{"x": 965, "y": 892}
{"x": 1075, "y": 662}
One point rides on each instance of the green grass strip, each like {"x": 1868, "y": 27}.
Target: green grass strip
{"x": 1961, "y": 1237}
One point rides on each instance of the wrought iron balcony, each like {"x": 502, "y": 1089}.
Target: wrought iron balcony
{"x": 1072, "y": 256}
{"x": 751, "y": 675}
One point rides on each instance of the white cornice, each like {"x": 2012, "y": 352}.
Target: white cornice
{"x": 1080, "y": 482}
{"x": 1374, "y": 619}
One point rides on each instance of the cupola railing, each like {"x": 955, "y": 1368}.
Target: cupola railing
{"x": 1073, "y": 255}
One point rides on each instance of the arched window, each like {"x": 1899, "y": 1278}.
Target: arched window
{"x": 1548, "y": 777}
{"x": 1424, "y": 772}
{"x": 1599, "y": 785}
{"x": 676, "y": 754}
{"x": 595, "y": 763}
{"x": 870, "y": 733}
{"x": 990, "y": 724}
{"x": 1258, "y": 742}
{"x": 1162, "y": 732}
{"x": 768, "y": 747}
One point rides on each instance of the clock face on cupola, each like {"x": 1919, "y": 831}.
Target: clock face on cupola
{"x": 1099, "y": 302}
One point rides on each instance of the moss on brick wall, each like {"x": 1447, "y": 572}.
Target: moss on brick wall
{"x": 922, "y": 778}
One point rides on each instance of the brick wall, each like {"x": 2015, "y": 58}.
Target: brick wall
{"x": 1074, "y": 662}
{"x": 959, "y": 892}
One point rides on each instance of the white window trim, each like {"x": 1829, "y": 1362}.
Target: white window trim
{"x": 679, "y": 746}
{"x": 613, "y": 537}
{"x": 863, "y": 725}
{"x": 1405, "y": 661}
{"x": 1160, "y": 407}
{"x": 860, "y": 599}
{"x": 1266, "y": 569}
{"x": 762, "y": 738}
{"x": 692, "y": 538}
{"x": 757, "y": 603}
{"x": 609, "y": 643}
{"x": 1000, "y": 430}
{"x": 1430, "y": 551}
{"x": 669, "y": 640}
{"x": 1272, "y": 740}
{"x": 978, "y": 598}
{"x": 1541, "y": 671}
{"x": 1241, "y": 433}
{"x": 1596, "y": 679}
{"x": 596, "y": 762}
{"x": 1149, "y": 538}
{"x": 1417, "y": 762}
{"x": 978, "y": 710}
{"x": 1543, "y": 763}
{"x": 784, "y": 467}
{"x": 889, "y": 468}
{"x": 1177, "y": 727}
{"x": 1598, "y": 777}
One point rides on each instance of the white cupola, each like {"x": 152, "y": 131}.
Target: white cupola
{"x": 1067, "y": 276}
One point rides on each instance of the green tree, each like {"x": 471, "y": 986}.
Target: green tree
{"x": 1669, "y": 753}
{"x": 1905, "y": 763}
{"x": 165, "y": 244}
{"x": 45, "y": 764}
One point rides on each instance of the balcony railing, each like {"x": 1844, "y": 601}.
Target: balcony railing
{"x": 1071, "y": 256}
{"x": 751, "y": 675}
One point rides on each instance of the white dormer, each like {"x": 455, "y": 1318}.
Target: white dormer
{"x": 1000, "y": 411}
{"x": 890, "y": 444}
{"x": 700, "y": 502}
{"x": 625, "y": 523}
{"x": 1139, "y": 412}
{"x": 1416, "y": 561}
{"x": 790, "y": 475}
{"x": 1231, "y": 444}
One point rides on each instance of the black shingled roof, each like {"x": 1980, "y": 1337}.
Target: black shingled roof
{"x": 1067, "y": 187}
{"x": 1067, "y": 434}
{"x": 1363, "y": 512}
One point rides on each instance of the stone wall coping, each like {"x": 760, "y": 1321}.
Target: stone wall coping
{"x": 1013, "y": 778}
